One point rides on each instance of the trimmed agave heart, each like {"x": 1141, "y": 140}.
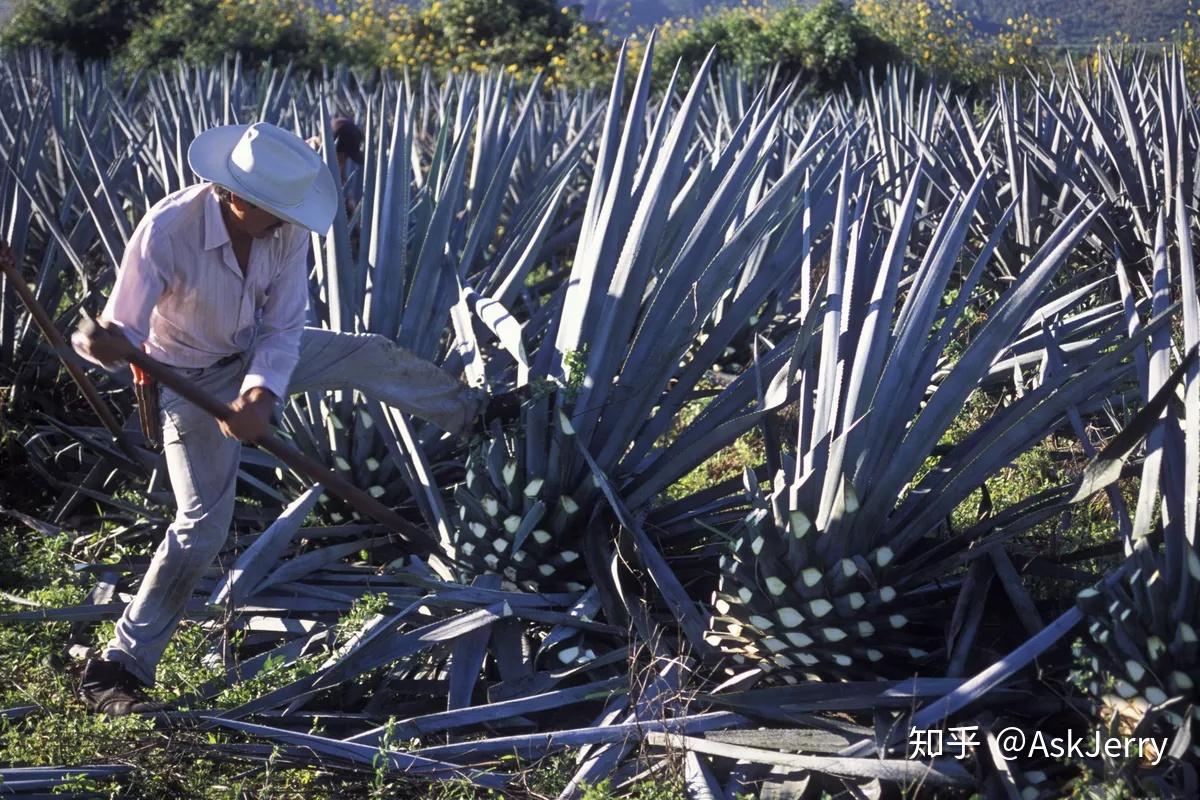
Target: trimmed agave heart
{"x": 779, "y": 608}
{"x": 1152, "y": 658}
{"x": 516, "y": 518}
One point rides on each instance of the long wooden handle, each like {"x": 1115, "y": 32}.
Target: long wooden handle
{"x": 46, "y": 325}
{"x": 308, "y": 467}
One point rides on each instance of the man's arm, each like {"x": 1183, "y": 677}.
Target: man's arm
{"x": 140, "y": 283}
{"x": 277, "y": 347}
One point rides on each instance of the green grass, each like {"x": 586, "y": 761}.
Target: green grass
{"x": 671, "y": 789}
{"x": 1054, "y": 461}
{"x": 728, "y": 462}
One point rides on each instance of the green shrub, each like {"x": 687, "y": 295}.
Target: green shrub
{"x": 521, "y": 37}
{"x": 203, "y": 31}
{"x": 825, "y": 43}
{"x": 87, "y": 28}
{"x": 940, "y": 38}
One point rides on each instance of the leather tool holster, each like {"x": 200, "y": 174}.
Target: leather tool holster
{"x": 145, "y": 391}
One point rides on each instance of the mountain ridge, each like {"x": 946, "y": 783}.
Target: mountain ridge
{"x": 1082, "y": 20}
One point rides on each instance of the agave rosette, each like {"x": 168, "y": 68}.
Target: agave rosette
{"x": 666, "y": 232}
{"x": 830, "y": 574}
{"x": 515, "y": 522}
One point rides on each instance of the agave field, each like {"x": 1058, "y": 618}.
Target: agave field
{"x": 756, "y": 528}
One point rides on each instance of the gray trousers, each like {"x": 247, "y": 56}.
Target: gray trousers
{"x": 202, "y": 465}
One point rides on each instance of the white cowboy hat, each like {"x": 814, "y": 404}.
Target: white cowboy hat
{"x": 273, "y": 169}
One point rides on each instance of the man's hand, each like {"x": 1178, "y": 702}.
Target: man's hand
{"x": 103, "y": 344}
{"x": 251, "y": 417}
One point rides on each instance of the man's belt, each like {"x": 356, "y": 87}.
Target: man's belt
{"x": 227, "y": 360}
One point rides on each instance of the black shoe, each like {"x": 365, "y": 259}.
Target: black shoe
{"x": 109, "y": 688}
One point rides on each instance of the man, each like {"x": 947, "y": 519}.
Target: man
{"x": 347, "y": 143}
{"x": 214, "y": 282}
{"x": 348, "y": 146}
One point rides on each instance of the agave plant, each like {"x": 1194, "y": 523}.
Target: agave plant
{"x": 1142, "y": 645}
{"x": 72, "y": 230}
{"x": 1127, "y": 129}
{"x": 1142, "y": 629}
{"x": 665, "y": 233}
{"x": 411, "y": 258}
{"x": 832, "y": 573}
{"x": 1132, "y": 125}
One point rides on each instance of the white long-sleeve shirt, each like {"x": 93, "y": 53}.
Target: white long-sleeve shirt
{"x": 181, "y": 296}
